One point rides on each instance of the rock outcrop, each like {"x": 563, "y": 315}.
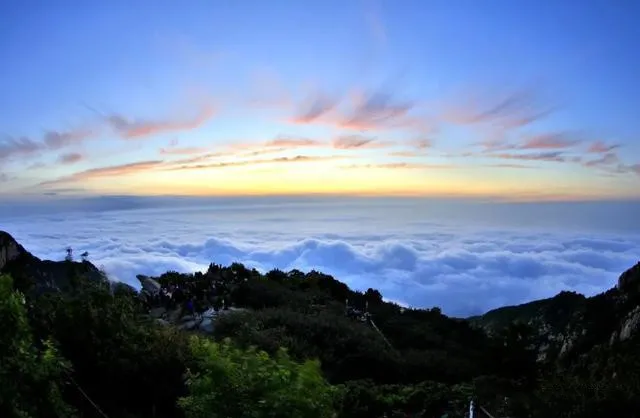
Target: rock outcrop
{"x": 30, "y": 272}
{"x": 9, "y": 249}
{"x": 570, "y": 324}
{"x": 629, "y": 281}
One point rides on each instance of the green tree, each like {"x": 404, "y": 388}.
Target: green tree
{"x": 31, "y": 373}
{"x": 228, "y": 381}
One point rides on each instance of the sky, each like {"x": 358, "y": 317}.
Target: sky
{"x": 527, "y": 100}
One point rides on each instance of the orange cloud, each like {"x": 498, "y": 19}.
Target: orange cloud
{"x": 182, "y": 150}
{"x": 410, "y": 154}
{"x": 133, "y": 129}
{"x": 401, "y": 165}
{"x": 293, "y": 142}
{"x": 108, "y": 171}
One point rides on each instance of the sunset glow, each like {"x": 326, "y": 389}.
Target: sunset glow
{"x": 332, "y": 97}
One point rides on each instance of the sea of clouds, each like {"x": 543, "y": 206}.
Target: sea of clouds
{"x": 464, "y": 257}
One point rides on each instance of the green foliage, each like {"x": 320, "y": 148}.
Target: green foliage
{"x": 231, "y": 382}
{"x": 31, "y": 372}
{"x": 124, "y": 364}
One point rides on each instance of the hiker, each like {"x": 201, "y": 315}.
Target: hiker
{"x": 190, "y": 307}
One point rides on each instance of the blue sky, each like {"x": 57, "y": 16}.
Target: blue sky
{"x": 521, "y": 100}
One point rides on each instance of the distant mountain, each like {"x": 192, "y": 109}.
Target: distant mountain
{"x": 30, "y": 273}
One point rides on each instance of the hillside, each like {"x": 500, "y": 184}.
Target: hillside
{"x": 564, "y": 356}
{"x": 570, "y": 325}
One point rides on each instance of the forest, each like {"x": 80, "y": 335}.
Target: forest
{"x": 293, "y": 344}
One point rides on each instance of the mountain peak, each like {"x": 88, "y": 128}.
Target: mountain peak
{"x": 629, "y": 281}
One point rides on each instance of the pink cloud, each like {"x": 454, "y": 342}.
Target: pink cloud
{"x": 600, "y": 147}
{"x": 609, "y": 158}
{"x": 511, "y": 110}
{"x": 550, "y": 141}
{"x": 316, "y": 108}
{"x": 356, "y": 141}
{"x": 108, "y": 171}
{"x": 293, "y": 142}
{"x": 541, "y": 156}
{"x": 133, "y": 129}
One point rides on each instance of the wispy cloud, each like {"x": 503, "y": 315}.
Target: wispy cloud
{"x": 56, "y": 140}
{"x": 511, "y": 110}
{"x": 70, "y": 158}
{"x": 550, "y": 141}
{"x": 24, "y": 147}
{"x": 139, "y": 128}
{"x": 367, "y": 110}
{"x": 293, "y": 142}
{"x": 108, "y": 171}
{"x": 182, "y": 150}
{"x": 607, "y": 159}
{"x": 555, "y": 156}
{"x": 358, "y": 141}
{"x": 422, "y": 143}
{"x": 316, "y": 107}
{"x": 374, "y": 19}
{"x": 399, "y": 165}
{"x": 600, "y": 147}
{"x": 507, "y": 165}
{"x": 378, "y": 110}
{"x": 244, "y": 163}
{"x": 409, "y": 154}
{"x": 12, "y": 147}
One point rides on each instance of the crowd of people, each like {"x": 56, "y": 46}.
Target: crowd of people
{"x": 212, "y": 290}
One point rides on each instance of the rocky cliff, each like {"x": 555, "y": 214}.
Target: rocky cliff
{"x": 569, "y": 325}
{"x": 9, "y": 249}
{"x": 33, "y": 274}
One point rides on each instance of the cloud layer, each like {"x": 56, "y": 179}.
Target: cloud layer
{"x": 433, "y": 258}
